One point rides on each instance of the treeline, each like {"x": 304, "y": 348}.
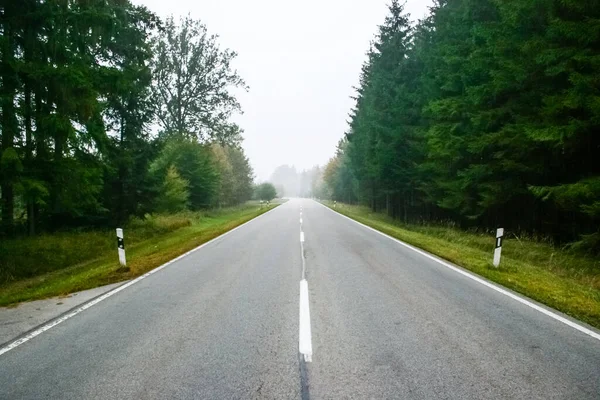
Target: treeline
{"x": 486, "y": 113}
{"x": 109, "y": 112}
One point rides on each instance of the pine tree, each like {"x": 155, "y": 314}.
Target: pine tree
{"x": 174, "y": 194}
{"x": 485, "y": 113}
{"x": 196, "y": 164}
{"x": 384, "y": 139}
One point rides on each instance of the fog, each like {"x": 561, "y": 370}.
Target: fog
{"x": 301, "y": 60}
{"x": 290, "y": 182}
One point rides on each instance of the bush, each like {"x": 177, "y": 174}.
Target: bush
{"x": 265, "y": 191}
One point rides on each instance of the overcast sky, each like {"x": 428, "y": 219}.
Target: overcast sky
{"x": 300, "y": 60}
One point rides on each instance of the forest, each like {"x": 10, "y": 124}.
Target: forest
{"x": 108, "y": 112}
{"x": 484, "y": 114}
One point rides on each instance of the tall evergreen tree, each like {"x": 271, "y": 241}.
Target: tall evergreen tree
{"x": 196, "y": 164}
{"x": 484, "y": 113}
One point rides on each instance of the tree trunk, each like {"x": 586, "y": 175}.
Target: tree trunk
{"x": 29, "y": 156}
{"x": 121, "y": 198}
{"x": 8, "y": 207}
{"x": 40, "y": 150}
{"x": 40, "y": 112}
{"x": 59, "y": 144}
{"x": 27, "y": 120}
{"x": 373, "y": 200}
{"x": 9, "y": 121}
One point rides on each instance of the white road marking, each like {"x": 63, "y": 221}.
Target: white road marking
{"x": 303, "y": 260}
{"x": 106, "y": 295}
{"x": 300, "y": 220}
{"x": 477, "y": 279}
{"x": 305, "y": 338}
{"x": 301, "y": 237}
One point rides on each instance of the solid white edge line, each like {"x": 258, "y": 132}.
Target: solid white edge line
{"x": 304, "y": 338}
{"x": 302, "y": 237}
{"x": 498, "y": 289}
{"x": 110, "y": 293}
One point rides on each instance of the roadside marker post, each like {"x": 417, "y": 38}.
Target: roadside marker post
{"x": 498, "y": 249}
{"x": 121, "y": 246}
{"x": 334, "y": 204}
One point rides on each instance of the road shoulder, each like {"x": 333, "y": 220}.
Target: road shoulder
{"x": 19, "y": 319}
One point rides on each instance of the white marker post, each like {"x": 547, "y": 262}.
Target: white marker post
{"x": 121, "y": 246}
{"x": 334, "y": 204}
{"x": 498, "y": 249}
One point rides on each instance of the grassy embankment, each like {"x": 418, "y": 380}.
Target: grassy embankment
{"x": 62, "y": 263}
{"x": 560, "y": 278}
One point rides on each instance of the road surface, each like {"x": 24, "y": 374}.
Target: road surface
{"x": 380, "y": 321}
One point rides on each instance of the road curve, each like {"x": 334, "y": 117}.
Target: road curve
{"x": 384, "y": 322}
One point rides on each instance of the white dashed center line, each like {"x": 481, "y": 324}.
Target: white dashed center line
{"x": 305, "y": 339}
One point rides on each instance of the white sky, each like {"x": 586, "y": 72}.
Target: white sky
{"x": 300, "y": 60}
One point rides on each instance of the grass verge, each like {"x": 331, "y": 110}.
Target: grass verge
{"x": 149, "y": 243}
{"x": 562, "y": 279}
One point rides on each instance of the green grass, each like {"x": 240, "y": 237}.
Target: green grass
{"x": 560, "y": 278}
{"x": 56, "y": 265}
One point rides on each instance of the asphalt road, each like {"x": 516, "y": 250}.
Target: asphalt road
{"x": 383, "y": 322}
